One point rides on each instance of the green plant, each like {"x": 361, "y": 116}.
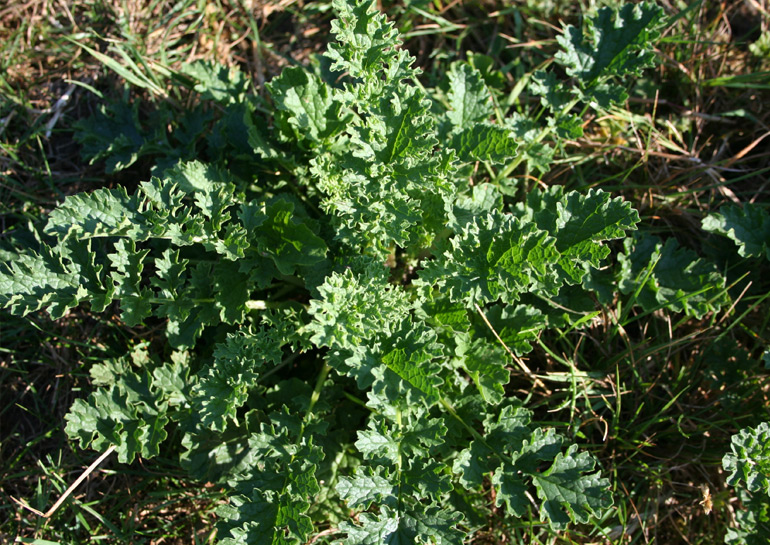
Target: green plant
{"x": 748, "y": 227}
{"x": 748, "y": 464}
{"x": 368, "y": 274}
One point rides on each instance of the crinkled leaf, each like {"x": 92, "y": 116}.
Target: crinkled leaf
{"x": 223, "y": 84}
{"x": 517, "y": 326}
{"x": 367, "y": 46}
{"x": 505, "y": 431}
{"x": 390, "y": 185}
{"x": 158, "y": 209}
{"x": 135, "y": 299}
{"x": 430, "y": 525}
{"x": 748, "y": 463}
{"x": 131, "y": 415}
{"x": 580, "y": 224}
{"x": 224, "y": 386}
{"x": 400, "y": 130}
{"x": 289, "y": 242}
{"x": 513, "y": 451}
{"x": 748, "y": 227}
{"x": 752, "y": 521}
{"x": 495, "y": 257}
{"x": 569, "y": 492}
{"x": 486, "y": 364}
{"x": 367, "y": 486}
{"x": 312, "y": 111}
{"x": 469, "y": 99}
{"x": 376, "y": 442}
{"x": 354, "y": 307}
{"x": 409, "y": 353}
{"x": 472, "y": 464}
{"x": 679, "y": 281}
{"x": 484, "y": 142}
{"x": 553, "y": 94}
{"x": 57, "y": 278}
{"x": 443, "y": 313}
{"x": 272, "y": 499}
{"x": 484, "y": 198}
{"x": 113, "y": 134}
{"x": 611, "y": 43}
{"x": 537, "y": 154}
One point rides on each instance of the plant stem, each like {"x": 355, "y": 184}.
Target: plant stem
{"x": 476, "y": 435}
{"x": 316, "y": 392}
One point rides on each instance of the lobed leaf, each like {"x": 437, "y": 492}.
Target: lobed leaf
{"x": 485, "y": 364}
{"x": 669, "y": 276}
{"x": 313, "y": 112}
{"x": 512, "y": 451}
{"x": 484, "y": 142}
{"x": 367, "y": 47}
{"x": 57, "y": 278}
{"x": 748, "y": 463}
{"x": 470, "y": 101}
{"x": 131, "y": 414}
{"x": 271, "y": 499}
{"x": 114, "y": 134}
{"x": 611, "y": 44}
{"x": 752, "y": 522}
{"x": 580, "y": 225}
{"x": 223, "y": 84}
{"x": 748, "y": 227}
{"x": 569, "y": 491}
{"x": 495, "y": 257}
{"x": 431, "y": 525}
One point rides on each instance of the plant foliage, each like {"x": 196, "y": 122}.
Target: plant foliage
{"x": 747, "y": 226}
{"x": 748, "y": 464}
{"x": 341, "y": 282}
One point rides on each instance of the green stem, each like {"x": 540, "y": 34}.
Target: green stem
{"x": 359, "y": 401}
{"x": 280, "y": 366}
{"x": 314, "y": 397}
{"x": 399, "y": 461}
{"x": 476, "y": 435}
